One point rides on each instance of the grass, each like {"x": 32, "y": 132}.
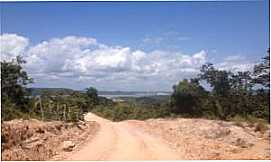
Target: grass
{"x": 259, "y": 125}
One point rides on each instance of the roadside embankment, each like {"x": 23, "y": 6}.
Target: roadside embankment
{"x": 37, "y": 140}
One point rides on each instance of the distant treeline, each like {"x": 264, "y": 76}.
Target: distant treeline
{"x": 67, "y": 91}
{"x": 41, "y": 91}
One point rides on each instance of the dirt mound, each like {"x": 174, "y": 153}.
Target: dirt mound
{"x": 37, "y": 140}
{"x": 211, "y": 139}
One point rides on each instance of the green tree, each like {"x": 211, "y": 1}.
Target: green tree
{"x": 13, "y": 83}
{"x": 92, "y": 96}
{"x": 230, "y": 91}
{"x": 262, "y": 71}
{"x": 241, "y": 82}
{"x": 219, "y": 80}
{"x": 186, "y": 97}
{"x": 261, "y": 104}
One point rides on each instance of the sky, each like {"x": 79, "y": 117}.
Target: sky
{"x": 131, "y": 46}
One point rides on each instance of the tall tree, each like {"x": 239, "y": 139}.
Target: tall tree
{"x": 13, "y": 82}
{"x": 92, "y": 95}
{"x": 241, "y": 82}
{"x": 219, "y": 80}
{"x": 262, "y": 71}
{"x": 186, "y": 97}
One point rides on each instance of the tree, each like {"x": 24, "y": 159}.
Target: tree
{"x": 241, "y": 82}
{"x": 219, "y": 80}
{"x": 261, "y": 99}
{"x": 262, "y": 71}
{"x": 232, "y": 94}
{"x": 240, "y": 94}
{"x": 186, "y": 97}
{"x": 231, "y": 91}
{"x": 92, "y": 95}
{"x": 261, "y": 104}
{"x": 13, "y": 82}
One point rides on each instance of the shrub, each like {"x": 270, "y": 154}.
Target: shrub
{"x": 261, "y": 127}
{"x": 238, "y": 120}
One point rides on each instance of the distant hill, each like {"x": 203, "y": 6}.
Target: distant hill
{"x": 67, "y": 91}
{"x": 134, "y": 93}
{"x": 147, "y": 100}
{"x": 39, "y": 91}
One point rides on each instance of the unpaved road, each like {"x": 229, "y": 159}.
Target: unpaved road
{"x": 123, "y": 141}
{"x": 152, "y": 139}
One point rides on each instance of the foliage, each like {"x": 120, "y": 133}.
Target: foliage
{"x": 92, "y": 95}
{"x": 147, "y": 101}
{"x": 61, "y": 107}
{"x": 232, "y": 94}
{"x": 9, "y": 111}
{"x": 125, "y": 111}
{"x": 261, "y": 127}
{"x": 13, "y": 82}
{"x": 51, "y": 91}
{"x": 14, "y": 95}
{"x": 54, "y": 105}
{"x": 262, "y": 71}
{"x": 105, "y": 101}
{"x": 187, "y": 97}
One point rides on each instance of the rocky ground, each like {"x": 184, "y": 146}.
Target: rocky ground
{"x": 37, "y": 140}
{"x": 211, "y": 139}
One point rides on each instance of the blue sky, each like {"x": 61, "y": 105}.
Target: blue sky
{"x": 222, "y": 30}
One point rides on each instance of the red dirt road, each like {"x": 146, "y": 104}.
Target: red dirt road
{"x": 123, "y": 141}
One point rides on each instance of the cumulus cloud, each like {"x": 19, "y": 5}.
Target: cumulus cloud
{"x": 236, "y": 63}
{"x": 51, "y": 56}
{"x": 12, "y": 45}
{"x": 77, "y": 61}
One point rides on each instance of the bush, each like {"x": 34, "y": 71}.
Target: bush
{"x": 261, "y": 127}
{"x": 238, "y": 120}
{"x": 9, "y": 111}
{"x": 187, "y": 98}
{"x": 259, "y": 124}
{"x": 126, "y": 111}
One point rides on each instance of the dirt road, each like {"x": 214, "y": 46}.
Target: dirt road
{"x": 123, "y": 141}
{"x": 152, "y": 139}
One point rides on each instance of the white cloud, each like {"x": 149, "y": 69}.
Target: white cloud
{"x": 235, "y": 63}
{"x": 153, "y": 40}
{"x": 12, "y": 45}
{"x": 50, "y": 56}
{"x": 82, "y": 61}
{"x": 234, "y": 58}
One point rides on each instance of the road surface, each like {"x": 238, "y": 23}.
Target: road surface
{"x": 123, "y": 141}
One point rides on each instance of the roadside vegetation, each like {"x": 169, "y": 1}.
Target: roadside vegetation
{"x": 239, "y": 96}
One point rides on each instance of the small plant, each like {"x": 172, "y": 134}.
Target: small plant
{"x": 238, "y": 121}
{"x": 261, "y": 127}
